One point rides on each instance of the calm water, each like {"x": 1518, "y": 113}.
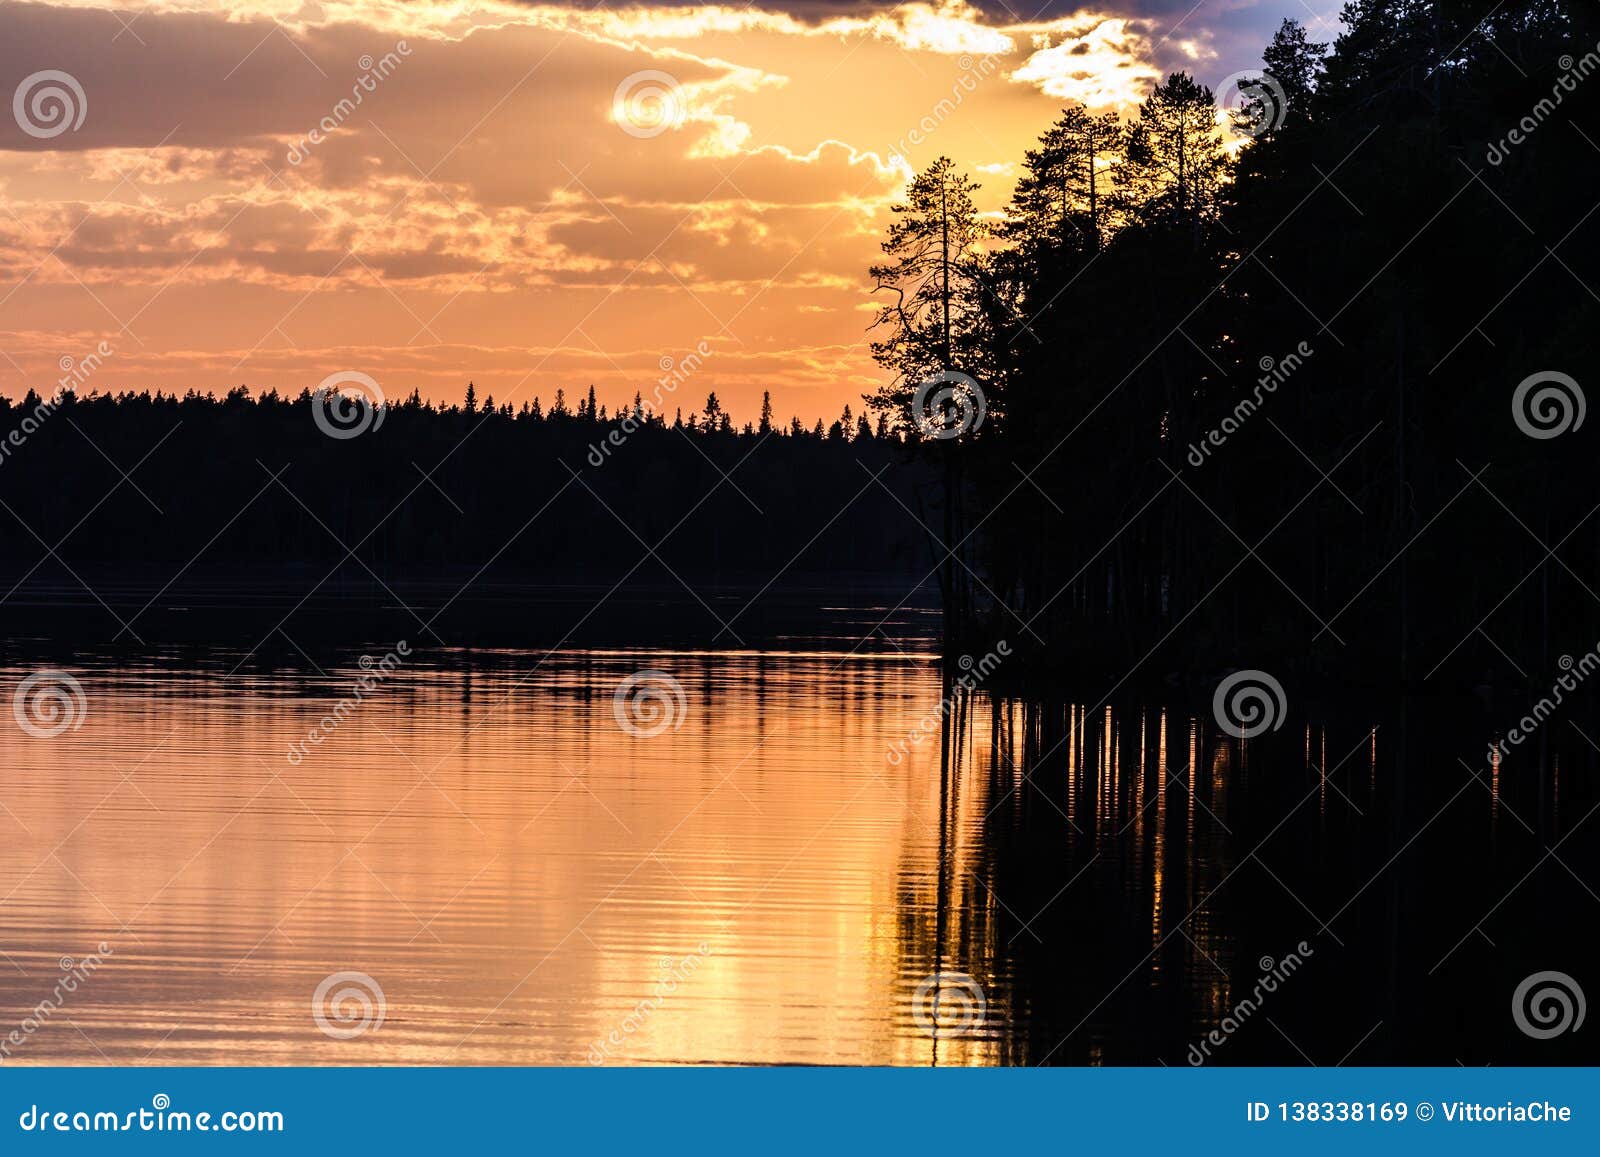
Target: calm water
{"x": 807, "y": 868}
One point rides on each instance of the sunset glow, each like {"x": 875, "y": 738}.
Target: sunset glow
{"x": 265, "y": 193}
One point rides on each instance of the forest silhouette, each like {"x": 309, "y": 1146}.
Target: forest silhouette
{"x": 1311, "y": 404}
{"x": 239, "y": 506}
{"x": 1184, "y": 406}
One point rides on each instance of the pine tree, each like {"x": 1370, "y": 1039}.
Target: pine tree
{"x": 1060, "y": 200}
{"x": 935, "y": 279}
{"x": 1294, "y": 61}
{"x": 1173, "y": 164}
{"x": 766, "y": 413}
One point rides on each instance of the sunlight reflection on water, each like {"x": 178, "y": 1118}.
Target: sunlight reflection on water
{"x": 484, "y": 853}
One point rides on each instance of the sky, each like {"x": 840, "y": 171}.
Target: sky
{"x": 212, "y": 193}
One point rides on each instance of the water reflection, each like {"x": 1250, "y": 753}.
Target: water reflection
{"x": 799, "y": 871}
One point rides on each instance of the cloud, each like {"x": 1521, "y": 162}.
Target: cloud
{"x": 1108, "y": 64}
{"x": 443, "y": 189}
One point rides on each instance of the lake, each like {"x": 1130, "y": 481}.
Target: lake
{"x": 798, "y": 855}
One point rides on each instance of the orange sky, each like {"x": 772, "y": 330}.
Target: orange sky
{"x": 527, "y": 196}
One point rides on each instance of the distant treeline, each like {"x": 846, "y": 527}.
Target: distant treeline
{"x": 1313, "y": 403}
{"x": 256, "y": 484}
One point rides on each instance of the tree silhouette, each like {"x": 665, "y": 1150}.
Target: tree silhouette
{"x": 1174, "y": 165}
{"x": 934, "y": 280}
{"x": 1061, "y": 202}
{"x": 1361, "y": 289}
{"x": 1294, "y": 60}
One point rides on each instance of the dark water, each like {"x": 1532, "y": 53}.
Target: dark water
{"x": 820, "y": 856}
